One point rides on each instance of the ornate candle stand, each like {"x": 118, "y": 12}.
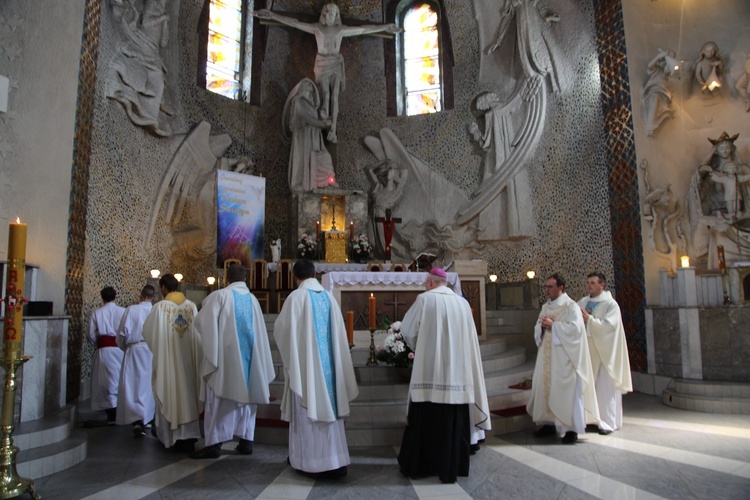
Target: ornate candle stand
{"x": 11, "y": 484}
{"x": 371, "y": 361}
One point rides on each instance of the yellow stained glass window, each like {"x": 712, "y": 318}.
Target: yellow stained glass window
{"x": 421, "y": 60}
{"x": 226, "y": 58}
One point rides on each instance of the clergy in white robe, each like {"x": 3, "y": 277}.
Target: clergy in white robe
{"x": 319, "y": 378}
{"x": 105, "y": 372}
{"x": 170, "y": 334}
{"x": 237, "y": 364}
{"x": 135, "y": 397}
{"x": 608, "y": 350}
{"x": 447, "y": 395}
{"x": 562, "y": 396}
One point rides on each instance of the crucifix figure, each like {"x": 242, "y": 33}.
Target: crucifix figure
{"x": 329, "y": 63}
{"x": 389, "y": 224}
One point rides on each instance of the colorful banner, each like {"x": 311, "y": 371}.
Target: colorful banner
{"x": 240, "y": 217}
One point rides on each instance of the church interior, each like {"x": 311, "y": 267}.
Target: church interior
{"x": 501, "y": 140}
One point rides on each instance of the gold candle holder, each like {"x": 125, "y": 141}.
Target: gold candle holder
{"x": 371, "y": 361}
{"x": 11, "y": 484}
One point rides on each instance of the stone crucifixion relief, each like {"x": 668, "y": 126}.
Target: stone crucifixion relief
{"x": 329, "y": 32}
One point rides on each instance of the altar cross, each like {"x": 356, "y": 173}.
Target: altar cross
{"x": 389, "y": 225}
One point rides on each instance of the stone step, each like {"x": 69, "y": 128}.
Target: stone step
{"x": 49, "y": 445}
{"x": 706, "y": 404}
{"x": 712, "y": 388}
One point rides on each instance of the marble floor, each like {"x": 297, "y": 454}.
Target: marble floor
{"x": 660, "y": 453}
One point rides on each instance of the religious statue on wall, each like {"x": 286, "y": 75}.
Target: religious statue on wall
{"x": 663, "y": 214}
{"x": 510, "y": 215}
{"x": 137, "y": 72}
{"x": 657, "y": 98}
{"x": 709, "y": 68}
{"x": 743, "y": 84}
{"x": 187, "y": 191}
{"x": 718, "y": 204}
{"x": 310, "y": 163}
{"x": 534, "y": 50}
{"x": 329, "y": 32}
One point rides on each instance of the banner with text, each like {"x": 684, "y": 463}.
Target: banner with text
{"x": 241, "y": 215}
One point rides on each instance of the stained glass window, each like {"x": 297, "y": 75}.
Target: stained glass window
{"x": 226, "y": 57}
{"x": 421, "y": 60}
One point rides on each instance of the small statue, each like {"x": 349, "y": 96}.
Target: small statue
{"x": 743, "y": 84}
{"x": 708, "y": 68}
{"x": 276, "y": 250}
{"x": 656, "y": 95}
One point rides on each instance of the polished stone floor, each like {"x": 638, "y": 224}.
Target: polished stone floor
{"x": 660, "y": 453}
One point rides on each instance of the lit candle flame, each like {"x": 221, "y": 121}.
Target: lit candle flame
{"x": 18, "y": 220}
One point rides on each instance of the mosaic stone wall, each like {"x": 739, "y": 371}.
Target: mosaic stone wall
{"x": 569, "y": 171}
{"x": 627, "y": 243}
{"x": 79, "y": 361}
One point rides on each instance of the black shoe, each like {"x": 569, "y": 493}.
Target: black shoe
{"x": 604, "y": 432}
{"x": 213, "y": 451}
{"x": 570, "y": 437}
{"x": 333, "y": 474}
{"x": 592, "y": 428}
{"x": 184, "y": 445}
{"x": 545, "y": 430}
{"x": 474, "y": 449}
{"x": 245, "y": 447}
{"x": 138, "y": 430}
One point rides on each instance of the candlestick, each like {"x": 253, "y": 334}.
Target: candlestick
{"x": 351, "y": 231}
{"x": 317, "y": 229}
{"x": 372, "y": 360}
{"x": 12, "y": 485}
{"x": 373, "y": 313}
{"x": 350, "y": 327}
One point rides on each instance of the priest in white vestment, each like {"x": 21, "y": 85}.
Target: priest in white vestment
{"x": 319, "y": 378}
{"x": 609, "y": 351}
{"x": 105, "y": 372}
{"x": 170, "y": 334}
{"x": 447, "y": 395}
{"x": 135, "y": 397}
{"x": 562, "y": 396}
{"x": 237, "y": 364}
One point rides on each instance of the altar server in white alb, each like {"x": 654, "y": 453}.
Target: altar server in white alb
{"x": 609, "y": 351}
{"x": 105, "y": 372}
{"x": 562, "y": 389}
{"x": 170, "y": 334}
{"x": 447, "y": 395}
{"x": 237, "y": 364}
{"x": 135, "y": 397}
{"x": 319, "y": 378}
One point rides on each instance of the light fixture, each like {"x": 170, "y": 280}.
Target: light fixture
{"x": 211, "y": 280}
{"x": 530, "y": 274}
{"x": 493, "y": 278}
{"x": 178, "y": 276}
{"x": 684, "y": 261}
{"x": 155, "y": 273}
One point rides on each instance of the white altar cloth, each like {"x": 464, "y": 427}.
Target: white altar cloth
{"x": 336, "y": 281}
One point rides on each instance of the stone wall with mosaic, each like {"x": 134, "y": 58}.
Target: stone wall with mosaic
{"x": 567, "y": 168}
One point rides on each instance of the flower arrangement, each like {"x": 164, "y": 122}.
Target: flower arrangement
{"x": 307, "y": 247}
{"x": 395, "y": 351}
{"x": 361, "y": 248}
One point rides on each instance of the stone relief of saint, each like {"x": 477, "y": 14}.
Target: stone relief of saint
{"x": 137, "y": 72}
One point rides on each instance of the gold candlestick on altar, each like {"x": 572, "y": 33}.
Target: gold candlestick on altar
{"x": 11, "y": 484}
